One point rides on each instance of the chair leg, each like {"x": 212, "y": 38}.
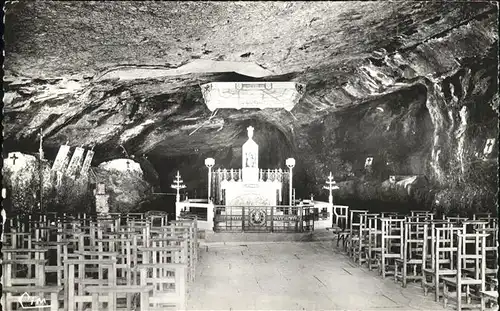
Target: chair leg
{"x": 459, "y": 297}
{"x": 405, "y": 271}
{"x": 445, "y": 295}
{"x": 436, "y": 288}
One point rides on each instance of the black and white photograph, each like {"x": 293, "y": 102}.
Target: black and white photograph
{"x": 250, "y": 155}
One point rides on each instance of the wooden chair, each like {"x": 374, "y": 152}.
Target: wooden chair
{"x": 362, "y": 254}
{"x": 54, "y": 265}
{"x": 490, "y": 295}
{"x": 413, "y": 255}
{"x": 79, "y": 279}
{"x": 457, "y": 220}
{"x": 358, "y": 252}
{"x": 31, "y": 297}
{"x": 444, "y": 250}
{"x": 107, "y": 294}
{"x": 192, "y": 228}
{"x": 355, "y": 221}
{"x": 374, "y": 244}
{"x": 420, "y": 216}
{"x": 96, "y": 260}
{"x": 465, "y": 285}
{"x": 16, "y": 287}
{"x": 391, "y": 245}
{"x": 482, "y": 226}
{"x": 169, "y": 285}
{"x": 340, "y": 221}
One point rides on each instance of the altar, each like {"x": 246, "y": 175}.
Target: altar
{"x": 251, "y": 189}
{"x": 252, "y": 199}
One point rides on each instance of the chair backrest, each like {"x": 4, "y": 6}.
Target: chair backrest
{"x": 414, "y": 239}
{"x": 474, "y": 258}
{"x": 341, "y": 216}
{"x": 446, "y": 246}
{"x": 392, "y": 235}
{"x": 355, "y": 220}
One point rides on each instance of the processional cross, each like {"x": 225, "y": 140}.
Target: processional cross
{"x": 331, "y": 185}
{"x": 178, "y": 186}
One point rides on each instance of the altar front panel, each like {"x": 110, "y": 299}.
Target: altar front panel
{"x": 251, "y": 194}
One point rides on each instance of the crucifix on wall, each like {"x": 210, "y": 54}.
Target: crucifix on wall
{"x": 368, "y": 162}
{"x": 13, "y": 157}
{"x": 488, "y": 148}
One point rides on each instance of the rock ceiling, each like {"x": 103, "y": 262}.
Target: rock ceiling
{"x": 128, "y": 73}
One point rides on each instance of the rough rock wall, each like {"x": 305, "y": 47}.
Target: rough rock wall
{"x": 418, "y": 93}
{"x": 126, "y": 187}
{"x": 22, "y": 178}
{"x": 124, "y": 183}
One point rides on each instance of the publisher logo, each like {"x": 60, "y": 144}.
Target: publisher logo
{"x": 32, "y": 302}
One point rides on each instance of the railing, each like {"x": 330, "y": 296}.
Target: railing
{"x": 263, "y": 218}
{"x": 270, "y": 175}
{"x": 306, "y": 216}
{"x": 204, "y": 212}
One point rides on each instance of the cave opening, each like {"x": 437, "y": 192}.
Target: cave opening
{"x": 275, "y": 146}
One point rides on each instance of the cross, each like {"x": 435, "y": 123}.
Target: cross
{"x": 178, "y": 186}
{"x": 489, "y": 146}
{"x": 14, "y": 158}
{"x": 330, "y": 187}
{"x": 250, "y": 132}
{"x": 40, "y": 149}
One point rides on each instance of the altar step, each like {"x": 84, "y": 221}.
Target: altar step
{"x": 237, "y": 237}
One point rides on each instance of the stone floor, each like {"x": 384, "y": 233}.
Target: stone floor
{"x": 294, "y": 276}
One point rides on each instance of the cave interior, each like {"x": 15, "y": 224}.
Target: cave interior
{"x": 412, "y": 85}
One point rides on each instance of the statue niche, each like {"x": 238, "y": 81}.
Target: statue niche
{"x": 250, "y": 165}
{"x": 250, "y": 160}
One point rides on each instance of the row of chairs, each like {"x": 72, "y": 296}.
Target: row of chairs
{"x": 454, "y": 257}
{"x": 98, "y": 262}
